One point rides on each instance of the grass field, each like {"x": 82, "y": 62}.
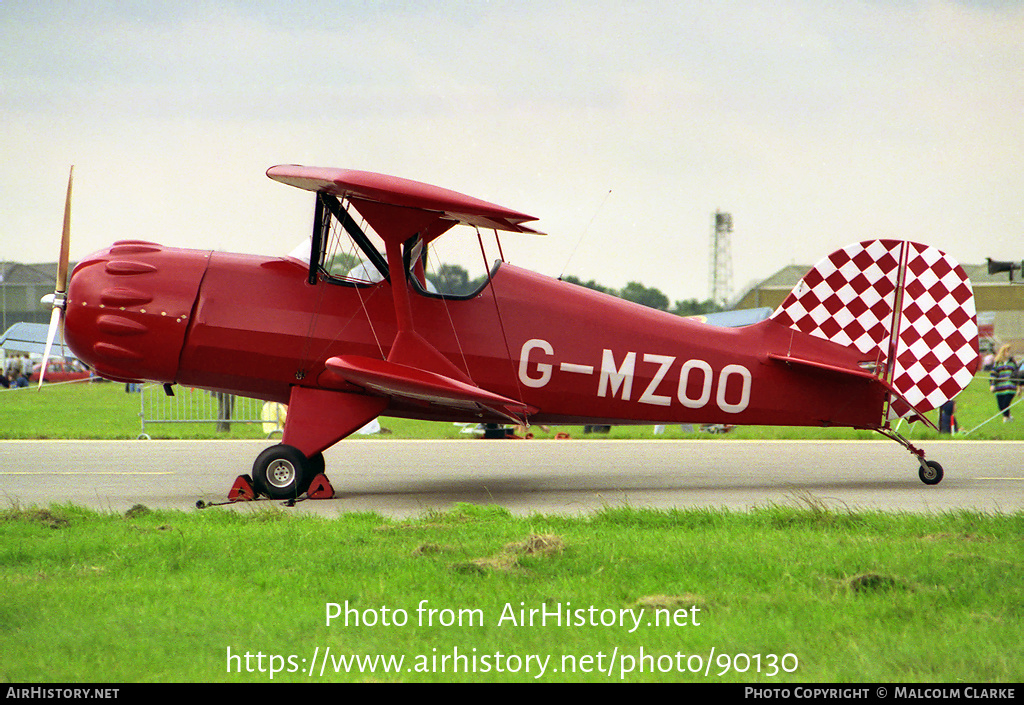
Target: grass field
{"x": 777, "y": 595}
{"x": 105, "y": 411}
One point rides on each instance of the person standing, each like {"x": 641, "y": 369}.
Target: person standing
{"x": 1003, "y": 381}
{"x": 947, "y": 417}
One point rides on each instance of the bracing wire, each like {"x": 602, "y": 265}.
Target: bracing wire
{"x": 335, "y": 247}
{"x": 497, "y": 311}
{"x": 366, "y": 312}
{"x": 432, "y": 256}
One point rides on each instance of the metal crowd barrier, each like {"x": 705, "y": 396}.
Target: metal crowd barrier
{"x": 190, "y": 405}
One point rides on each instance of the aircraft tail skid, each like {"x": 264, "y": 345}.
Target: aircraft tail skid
{"x": 908, "y": 308}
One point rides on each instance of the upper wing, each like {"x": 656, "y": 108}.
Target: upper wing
{"x": 395, "y": 191}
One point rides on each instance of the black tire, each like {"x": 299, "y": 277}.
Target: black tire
{"x": 930, "y": 473}
{"x": 316, "y": 466}
{"x": 281, "y": 472}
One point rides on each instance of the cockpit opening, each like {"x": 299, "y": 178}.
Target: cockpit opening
{"x": 344, "y": 250}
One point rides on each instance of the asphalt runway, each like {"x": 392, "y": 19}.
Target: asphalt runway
{"x": 408, "y": 478}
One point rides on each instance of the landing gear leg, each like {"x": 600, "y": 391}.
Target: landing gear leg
{"x": 930, "y": 471}
{"x": 317, "y": 419}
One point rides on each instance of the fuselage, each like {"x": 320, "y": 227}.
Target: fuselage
{"x": 254, "y": 326}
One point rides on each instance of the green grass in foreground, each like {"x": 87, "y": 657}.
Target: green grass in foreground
{"x": 853, "y": 597}
{"x": 104, "y": 411}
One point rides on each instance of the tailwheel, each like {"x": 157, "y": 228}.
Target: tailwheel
{"x": 930, "y": 472}
{"x": 284, "y": 472}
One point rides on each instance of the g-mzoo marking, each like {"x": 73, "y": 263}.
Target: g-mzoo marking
{"x": 697, "y": 382}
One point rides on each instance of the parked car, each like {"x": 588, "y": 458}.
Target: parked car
{"x": 60, "y": 371}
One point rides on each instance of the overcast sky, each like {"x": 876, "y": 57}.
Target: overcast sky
{"x": 815, "y": 124}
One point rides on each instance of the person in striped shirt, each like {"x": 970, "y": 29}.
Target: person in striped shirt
{"x": 1003, "y": 381}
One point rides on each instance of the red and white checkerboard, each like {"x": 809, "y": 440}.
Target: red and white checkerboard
{"x": 858, "y": 295}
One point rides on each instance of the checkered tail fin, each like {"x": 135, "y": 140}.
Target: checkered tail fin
{"x": 860, "y": 295}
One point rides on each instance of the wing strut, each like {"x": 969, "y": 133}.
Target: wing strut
{"x": 328, "y": 204}
{"x": 316, "y": 248}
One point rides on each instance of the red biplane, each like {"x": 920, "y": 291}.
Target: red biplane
{"x": 877, "y": 331}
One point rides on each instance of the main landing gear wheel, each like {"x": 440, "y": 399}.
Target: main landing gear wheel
{"x": 316, "y": 466}
{"x": 930, "y": 472}
{"x": 284, "y": 472}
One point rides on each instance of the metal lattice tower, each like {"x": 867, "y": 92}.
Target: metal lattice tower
{"x": 720, "y": 262}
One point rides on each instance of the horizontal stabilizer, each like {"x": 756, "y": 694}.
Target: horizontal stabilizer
{"x": 908, "y": 410}
{"x": 823, "y": 366}
{"x": 404, "y": 382}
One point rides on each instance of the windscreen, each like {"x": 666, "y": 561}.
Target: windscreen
{"x": 456, "y": 264}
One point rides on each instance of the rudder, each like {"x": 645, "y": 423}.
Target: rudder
{"x": 859, "y": 295}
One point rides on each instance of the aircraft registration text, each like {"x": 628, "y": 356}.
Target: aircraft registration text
{"x": 696, "y": 382}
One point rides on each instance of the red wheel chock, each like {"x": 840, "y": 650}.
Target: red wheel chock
{"x": 320, "y": 488}
{"x": 562, "y": 436}
{"x": 242, "y": 490}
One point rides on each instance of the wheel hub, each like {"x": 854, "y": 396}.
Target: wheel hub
{"x": 281, "y": 473}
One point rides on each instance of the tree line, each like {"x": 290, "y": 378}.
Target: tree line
{"x": 652, "y": 298}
